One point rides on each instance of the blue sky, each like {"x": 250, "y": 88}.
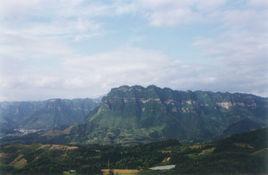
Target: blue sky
{"x": 79, "y": 48}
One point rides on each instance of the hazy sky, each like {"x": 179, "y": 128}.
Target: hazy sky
{"x": 79, "y": 48}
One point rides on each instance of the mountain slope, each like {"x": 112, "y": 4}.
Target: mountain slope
{"x": 244, "y": 153}
{"x": 239, "y": 154}
{"x": 48, "y": 114}
{"x": 137, "y": 114}
{"x": 242, "y": 126}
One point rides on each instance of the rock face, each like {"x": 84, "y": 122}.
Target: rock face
{"x": 48, "y": 114}
{"x": 137, "y": 114}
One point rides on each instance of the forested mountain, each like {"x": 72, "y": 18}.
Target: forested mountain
{"x": 136, "y": 114}
{"x": 192, "y": 131}
{"x": 43, "y": 115}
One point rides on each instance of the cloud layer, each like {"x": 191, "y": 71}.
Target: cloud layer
{"x": 49, "y": 48}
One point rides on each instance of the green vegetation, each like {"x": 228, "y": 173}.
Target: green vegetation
{"x": 238, "y": 154}
{"x": 48, "y": 114}
{"x": 139, "y": 128}
{"x": 131, "y": 115}
{"x": 135, "y": 114}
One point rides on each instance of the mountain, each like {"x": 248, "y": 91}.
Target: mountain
{"x": 43, "y": 115}
{"x": 242, "y": 126}
{"x": 136, "y": 114}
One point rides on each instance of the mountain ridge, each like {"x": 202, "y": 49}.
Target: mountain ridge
{"x": 134, "y": 114}
{"x": 129, "y": 114}
{"x": 42, "y": 115}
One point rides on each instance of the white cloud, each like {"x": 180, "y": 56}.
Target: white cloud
{"x": 17, "y": 8}
{"x": 72, "y": 20}
{"x": 240, "y": 52}
{"x": 38, "y": 57}
{"x": 259, "y": 3}
{"x": 171, "y": 12}
{"x": 94, "y": 75}
{"x": 83, "y": 76}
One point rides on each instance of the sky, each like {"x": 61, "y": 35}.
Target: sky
{"x": 83, "y": 48}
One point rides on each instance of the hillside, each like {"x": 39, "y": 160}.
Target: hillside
{"x": 239, "y": 154}
{"x": 242, "y": 126}
{"x": 135, "y": 114}
{"x": 42, "y": 115}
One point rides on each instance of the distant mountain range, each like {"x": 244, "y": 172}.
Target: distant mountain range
{"x": 43, "y": 115}
{"x": 135, "y": 114}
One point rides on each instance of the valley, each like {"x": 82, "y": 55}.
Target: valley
{"x": 136, "y": 130}
{"x": 239, "y": 154}
{"x": 20, "y": 118}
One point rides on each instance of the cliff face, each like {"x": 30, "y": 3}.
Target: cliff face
{"x": 48, "y": 114}
{"x": 137, "y": 114}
